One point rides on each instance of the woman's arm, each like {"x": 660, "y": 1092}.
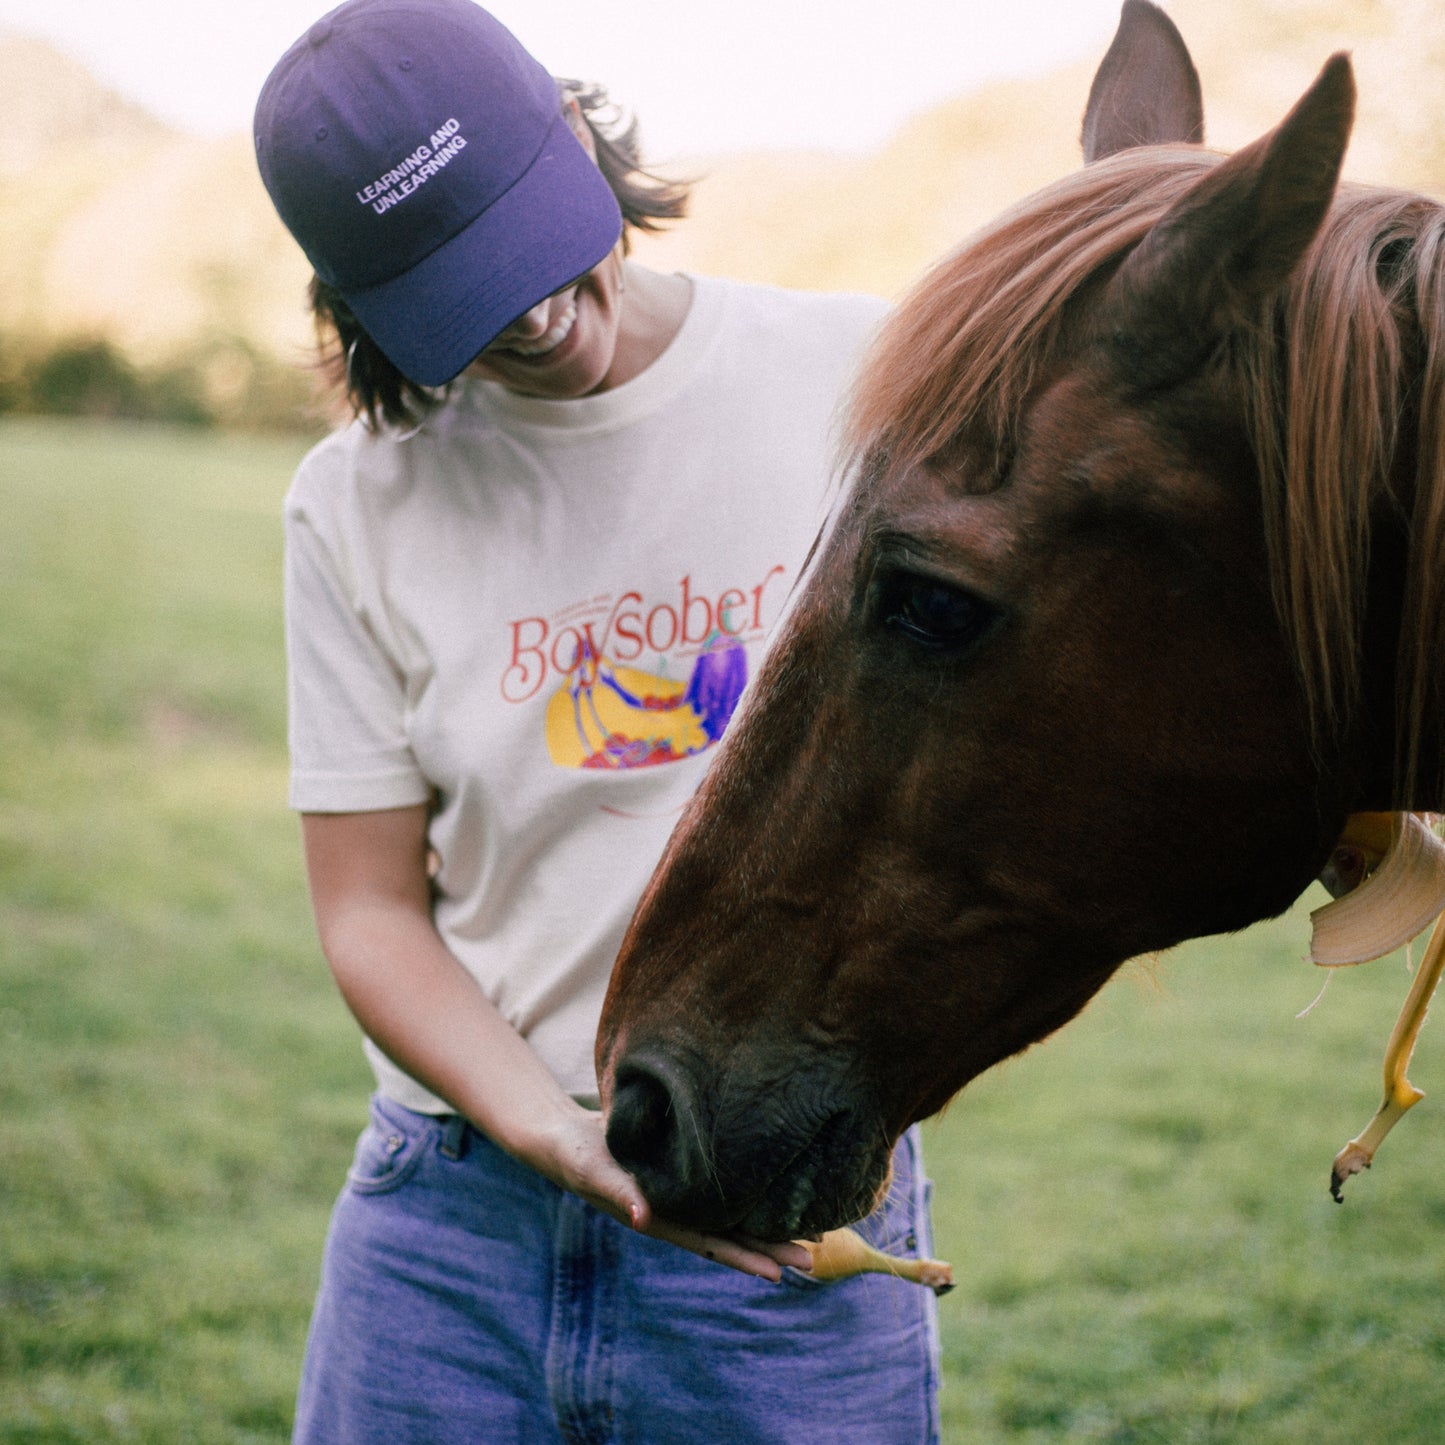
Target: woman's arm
{"x": 372, "y": 900}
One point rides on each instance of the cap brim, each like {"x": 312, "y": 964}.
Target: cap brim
{"x": 555, "y": 224}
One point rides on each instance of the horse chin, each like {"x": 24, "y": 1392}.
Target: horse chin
{"x": 834, "y": 1182}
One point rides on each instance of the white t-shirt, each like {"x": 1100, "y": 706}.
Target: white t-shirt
{"x": 537, "y": 616}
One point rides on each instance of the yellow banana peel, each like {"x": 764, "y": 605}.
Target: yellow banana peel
{"x": 1401, "y": 893}
{"x": 842, "y": 1253}
{"x": 1391, "y": 867}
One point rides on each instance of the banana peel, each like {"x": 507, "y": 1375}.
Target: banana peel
{"x": 842, "y": 1253}
{"x": 1389, "y": 872}
{"x": 1393, "y": 868}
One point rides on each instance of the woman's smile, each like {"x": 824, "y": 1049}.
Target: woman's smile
{"x": 565, "y": 345}
{"x": 540, "y": 331}
{"x": 552, "y": 338}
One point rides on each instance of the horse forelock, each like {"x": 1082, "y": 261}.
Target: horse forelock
{"x": 965, "y": 344}
{"x": 1341, "y": 383}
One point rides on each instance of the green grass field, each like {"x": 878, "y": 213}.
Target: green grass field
{"x": 1137, "y": 1210}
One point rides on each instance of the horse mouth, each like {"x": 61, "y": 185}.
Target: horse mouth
{"x": 766, "y": 1171}
{"x": 834, "y": 1181}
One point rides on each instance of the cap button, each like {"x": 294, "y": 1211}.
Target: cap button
{"x": 319, "y": 33}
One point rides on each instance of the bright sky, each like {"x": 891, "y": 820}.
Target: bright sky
{"x": 702, "y": 75}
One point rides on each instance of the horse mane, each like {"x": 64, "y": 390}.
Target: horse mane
{"x": 1342, "y": 379}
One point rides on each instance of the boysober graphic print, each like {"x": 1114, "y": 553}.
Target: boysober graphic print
{"x": 632, "y": 681}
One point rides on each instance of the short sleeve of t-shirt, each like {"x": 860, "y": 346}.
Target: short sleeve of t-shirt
{"x": 347, "y": 701}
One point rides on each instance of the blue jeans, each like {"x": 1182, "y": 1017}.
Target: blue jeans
{"x": 466, "y": 1299}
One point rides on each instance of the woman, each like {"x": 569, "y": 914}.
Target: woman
{"x": 524, "y": 591}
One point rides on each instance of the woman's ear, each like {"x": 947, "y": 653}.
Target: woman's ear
{"x": 573, "y": 111}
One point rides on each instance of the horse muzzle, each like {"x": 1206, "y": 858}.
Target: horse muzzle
{"x": 731, "y": 1157}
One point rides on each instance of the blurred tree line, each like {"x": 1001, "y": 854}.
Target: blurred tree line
{"x": 224, "y": 383}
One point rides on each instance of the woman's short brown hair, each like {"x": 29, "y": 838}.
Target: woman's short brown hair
{"x": 355, "y": 364}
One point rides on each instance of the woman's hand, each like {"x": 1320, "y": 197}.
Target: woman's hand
{"x": 583, "y": 1166}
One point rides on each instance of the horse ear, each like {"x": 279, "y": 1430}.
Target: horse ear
{"x": 1234, "y": 238}
{"x": 1146, "y": 91}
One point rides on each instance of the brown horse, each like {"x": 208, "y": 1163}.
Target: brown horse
{"x": 1139, "y": 593}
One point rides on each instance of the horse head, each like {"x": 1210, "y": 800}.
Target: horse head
{"x": 1112, "y": 633}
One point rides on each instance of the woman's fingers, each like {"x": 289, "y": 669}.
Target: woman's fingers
{"x": 751, "y": 1256}
{"x": 766, "y": 1261}
{"x": 625, "y": 1201}
{"x": 795, "y": 1256}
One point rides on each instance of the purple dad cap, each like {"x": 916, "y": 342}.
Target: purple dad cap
{"x": 419, "y": 156}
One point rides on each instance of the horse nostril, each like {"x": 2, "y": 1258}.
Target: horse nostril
{"x": 649, "y": 1124}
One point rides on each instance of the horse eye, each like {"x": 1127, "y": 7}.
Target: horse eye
{"x": 932, "y": 613}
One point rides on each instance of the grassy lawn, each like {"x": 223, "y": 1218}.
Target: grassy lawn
{"x": 1137, "y": 1211}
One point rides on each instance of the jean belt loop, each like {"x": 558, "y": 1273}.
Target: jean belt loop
{"x": 454, "y": 1136}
